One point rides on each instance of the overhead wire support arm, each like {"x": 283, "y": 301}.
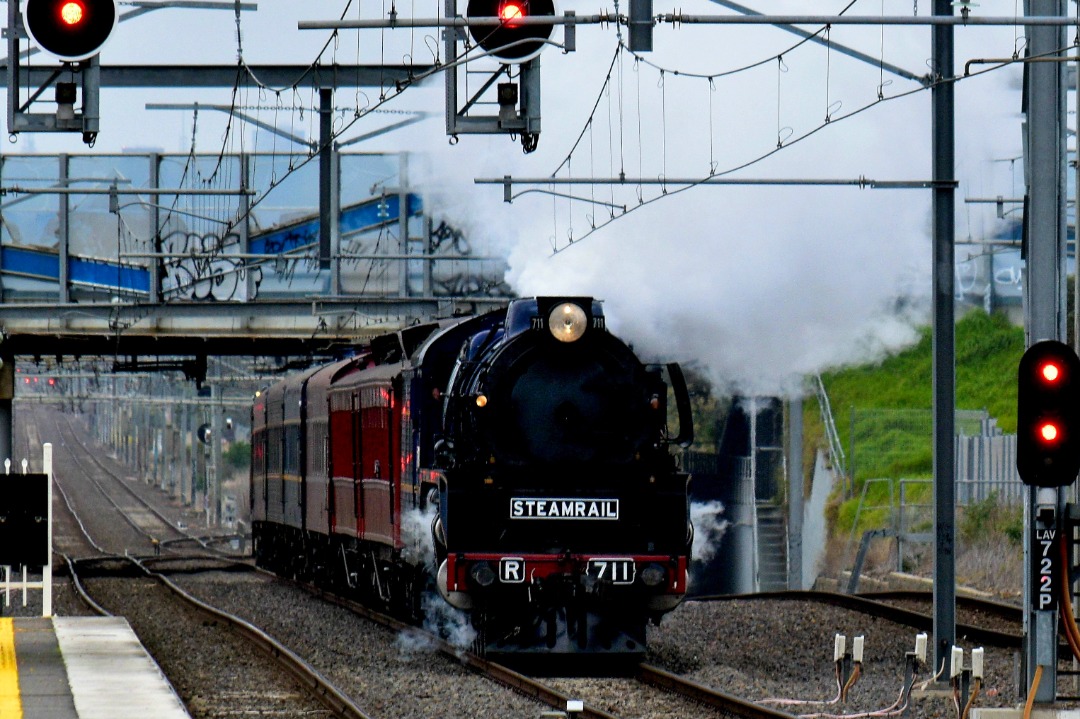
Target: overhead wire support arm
{"x": 17, "y": 190}
{"x": 933, "y": 20}
{"x": 815, "y": 37}
{"x": 861, "y": 182}
{"x": 229, "y": 110}
{"x": 682, "y": 19}
{"x": 458, "y": 22}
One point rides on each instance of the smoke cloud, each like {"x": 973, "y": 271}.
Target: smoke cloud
{"x": 709, "y": 528}
{"x": 762, "y": 285}
{"x": 440, "y": 618}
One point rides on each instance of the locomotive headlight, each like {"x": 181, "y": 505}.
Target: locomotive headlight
{"x": 653, "y": 575}
{"x": 481, "y": 400}
{"x": 482, "y": 574}
{"x": 567, "y": 322}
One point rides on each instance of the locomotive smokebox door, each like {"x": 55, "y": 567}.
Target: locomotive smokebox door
{"x": 24, "y": 520}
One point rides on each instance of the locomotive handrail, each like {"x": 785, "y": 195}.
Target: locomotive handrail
{"x": 685, "y": 437}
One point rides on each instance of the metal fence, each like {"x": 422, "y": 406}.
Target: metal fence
{"x": 898, "y": 442}
{"x": 895, "y": 442}
{"x": 986, "y": 467}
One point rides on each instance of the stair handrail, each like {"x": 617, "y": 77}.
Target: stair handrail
{"x": 833, "y": 437}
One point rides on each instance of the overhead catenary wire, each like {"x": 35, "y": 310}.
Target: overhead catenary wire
{"x": 789, "y": 142}
{"x": 594, "y": 226}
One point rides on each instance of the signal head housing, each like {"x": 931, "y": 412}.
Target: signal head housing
{"x": 72, "y": 30}
{"x": 1048, "y": 415}
{"x": 511, "y": 41}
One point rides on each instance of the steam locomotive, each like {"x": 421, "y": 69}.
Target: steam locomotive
{"x": 519, "y": 461}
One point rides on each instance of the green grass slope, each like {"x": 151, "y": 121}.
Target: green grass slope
{"x": 988, "y": 350}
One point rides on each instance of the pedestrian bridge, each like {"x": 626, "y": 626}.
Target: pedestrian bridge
{"x": 236, "y": 254}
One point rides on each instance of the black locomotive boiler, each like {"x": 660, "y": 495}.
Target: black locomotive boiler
{"x": 538, "y": 444}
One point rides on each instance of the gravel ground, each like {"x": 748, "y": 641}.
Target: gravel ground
{"x": 759, "y": 649}
{"x": 386, "y": 674}
{"x": 217, "y": 674}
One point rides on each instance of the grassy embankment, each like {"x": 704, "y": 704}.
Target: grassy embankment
{"x": 988, "y": 350}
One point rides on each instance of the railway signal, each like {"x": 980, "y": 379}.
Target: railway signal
{"x": 72, "y": 30}
{"x": 1048, "y": 415}
{"x": 513, "y": 40}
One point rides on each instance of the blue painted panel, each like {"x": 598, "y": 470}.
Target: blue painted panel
{"x": 358, "y": 217}
{"x": 46, "y": 265}
{"x": 108, "y": 274}
{"x": 35, "y": 263}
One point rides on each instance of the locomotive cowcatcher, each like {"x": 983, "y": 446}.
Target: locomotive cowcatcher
{"x": 532, "y": 444}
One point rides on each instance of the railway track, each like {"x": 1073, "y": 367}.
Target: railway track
{"x": 898, "y": 607}
{"x": 140, "y": 516}
{"x": 658, "y": 690}
{"x": 106, "y": 564}
{"x": 154, "y": 529}
{"x": 160, "y": 532}
{"x": 653, "y": 684}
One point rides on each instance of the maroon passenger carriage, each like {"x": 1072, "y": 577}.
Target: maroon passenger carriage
{"x": 534, "y": 445}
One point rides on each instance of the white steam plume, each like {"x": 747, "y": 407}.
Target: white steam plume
{"x": 709, "y": 528}
{"x": 440, "y": 618}
{"x": 763, "y": 285}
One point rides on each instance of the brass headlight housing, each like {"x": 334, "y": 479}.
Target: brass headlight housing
{"x": 567, "y": 322}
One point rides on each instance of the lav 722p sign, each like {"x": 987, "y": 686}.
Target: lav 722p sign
{"x": 1044, "y": 569}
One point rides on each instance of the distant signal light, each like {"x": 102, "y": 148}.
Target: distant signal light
{"x": 512, "y": 40}
{"x": 72, "y": 30}
{"x": 72, "y": 13}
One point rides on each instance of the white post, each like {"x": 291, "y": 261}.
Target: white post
{"x": 46, "y": 572}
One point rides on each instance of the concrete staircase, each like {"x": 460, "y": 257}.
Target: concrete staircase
{"x": 772, "y": 548}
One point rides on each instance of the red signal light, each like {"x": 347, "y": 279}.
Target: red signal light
{"x": 72, "y": 13}
{"x": 512, "y": 40}
{"x": 1048, "y": 415}
{"x": 1048, "y": 432}
{"x": 1050, "y": 372}
{"x": 511, "y": 11}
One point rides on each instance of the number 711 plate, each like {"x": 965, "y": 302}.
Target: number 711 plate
{"x": 616, "y": 571}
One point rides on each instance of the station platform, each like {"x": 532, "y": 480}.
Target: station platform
{"x": 80, "y": 668}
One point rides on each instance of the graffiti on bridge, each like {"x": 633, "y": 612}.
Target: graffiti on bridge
{"x": 199, "y": 267}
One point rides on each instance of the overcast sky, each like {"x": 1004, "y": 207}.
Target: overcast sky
{"x": 761, "y": 284}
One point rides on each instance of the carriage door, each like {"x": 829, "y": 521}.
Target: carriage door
{"x": 376, "y": 464}
{"x": 342, "y": 465}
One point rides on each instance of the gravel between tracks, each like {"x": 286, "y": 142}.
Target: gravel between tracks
{"x": 758, "y": 649}
{"x": 386, "y": 674}
{"x": 216, "y": 673}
